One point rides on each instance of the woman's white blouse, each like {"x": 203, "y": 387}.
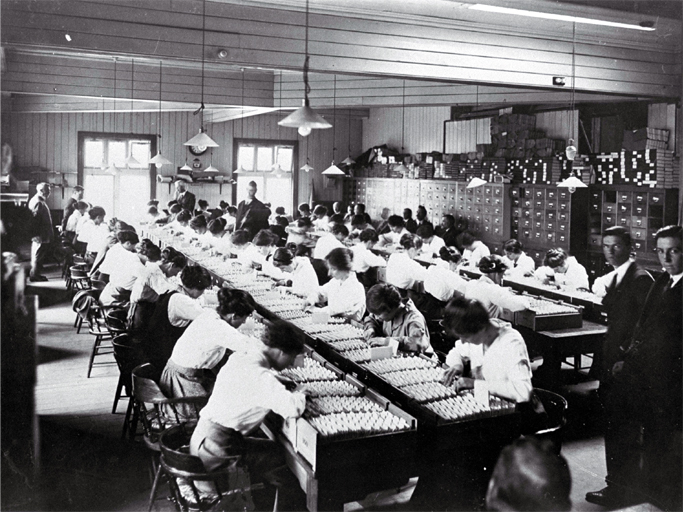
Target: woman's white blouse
{"x": 503, "y": 369}
{"x": 344, "y": 298}
{"x": 402, "y": 271}
{"x": 363, "y": 259}
{"x": 525, "y": 264}
{"x": 441, "y": 283}
{"x": 575, "y": 276}
{"x": 304, "y": 279}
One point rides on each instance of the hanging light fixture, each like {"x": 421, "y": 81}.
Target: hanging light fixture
{"x": 306, "y": 167}
{"x": 202, "y": 139}
{"x": 241, "y": 169}
{"x": 476, "y": 182}
{"x": 103, "y": 164}
{"x": 348, "y": 161}
{"x": 112, "y": 167}
{"x": 570, "y": 151}
{"x": 131, "y": 160}
{"x": 159, "y": 159}
{"x": 401, "y": 167}
{"x": 333, "y": 170}
{"x": 276, "y": 168}
{"x": 305, "y": 118}
{"x": 185, "y": 167}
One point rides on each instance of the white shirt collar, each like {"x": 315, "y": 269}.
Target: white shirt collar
{"x": 676, "y": 278}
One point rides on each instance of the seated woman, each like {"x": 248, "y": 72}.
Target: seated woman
{"x": 496, "y": 352}
{"x": 562, "y": 270}
{"x": 217, "y": 228}
{"x": 358, "y": 225}
{"x": 366, "y": 262}
{"x": 199, "y": 225}
{"x": 181, "y": 223}
{"x": 443, "y": 281}
{"x": 265, "y": 243}
{"x": 203, "y": 209}
{"x": 205, "y": 345}
{"x": 329, "y": 241}
{"x": 245, "y": 251}
{"x": 301, "y": 275}
{"x": 402, "y": 270}
{"x": 487, "y": 289}
{"x": 394, "y": 318}
{"x": 344, "y": 295}
{"x": 473, "y": 250}
{"x": 519, "y": 264}
{"x": 123, "y": 265}
{"x": 397, "y": 230}
{"x": 431, "y": 244}
{"x": 320, "y": 218}
{"x": 297, "y": 234}
{"x": 173, "y": 313}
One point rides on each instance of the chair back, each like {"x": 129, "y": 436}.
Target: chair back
{"x": 192, "y": 485}
{"x": 128, "y": 355}
{"x": 116, "y": 321}
{"x": 556, "y": 408}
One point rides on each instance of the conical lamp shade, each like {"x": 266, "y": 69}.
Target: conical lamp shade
{"x": 112, "y": 169}
{"x": 103, "y": 165}
{"x": 132, "y": 161}
{"x": 305, "y": 116}
{"x": 239, "y": 170}
{"x": 201, "y": 139}
{"x": 211, "y": 170}
{"x": 333, "y": 170}
{"x": 186, "y": 167}
{"x": 476, "y": 182}
{"x": 276, "y": 169}
{"x": 572, "y": 183}
{"x": 348, "y": 160}
{"x": 160, "y": 160}
{"x": 306, "y": 168}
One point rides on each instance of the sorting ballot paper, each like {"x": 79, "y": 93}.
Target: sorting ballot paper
{"x": 320, "y": 317}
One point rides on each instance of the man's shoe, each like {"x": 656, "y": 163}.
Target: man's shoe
{"x": 606, "y": 497}
{"x": 37, "y": 279}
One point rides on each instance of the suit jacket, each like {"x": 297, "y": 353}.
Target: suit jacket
{"x": 186, "y": 200}
{"x": 252, "y": 217}
{"x": 653, "y": 367}
{"x": 623, "y": 305}
{"x": 42, "y": 219}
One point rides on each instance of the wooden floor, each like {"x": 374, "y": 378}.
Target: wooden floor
{"x": 86, "y": 465}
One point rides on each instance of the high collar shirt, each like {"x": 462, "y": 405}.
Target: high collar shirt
{"x": 73, "y": 221}
{"x": 344, "y": 298}
{"x": 502, "y": 369}
{"x": 402, "y": 271}
{"x": 675, "y": 279}
{"x": 246, "y": 390}
{"x": 476, "y": 253}
{"x": 324, "y": 246}
{"x": 524, "y": 265}
{"x": 602, "y": 283}
{"x": 391, "y": 238}
{"x": 304, "y": 279}
{"x": 183, "y": 309}
{"x": 575, "y": 276}
{"x": 363, "y": 258}
{"x": 122, "y": 266}
{"x": 94, "y": 236}
{"x": 322, "y": 224}
{"x": 441, "y": 283}
{"x": 151, "y": 283}
{"x": 408, "y": 328}
{"x": 495, "y": 298}
{"x": 250, "y": 256}
{"x": 433, "y": 247}
{"x": 206, "y": 340}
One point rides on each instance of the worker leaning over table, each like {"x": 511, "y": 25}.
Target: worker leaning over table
{"x": 300, "y": 276}
{"x": 394, "y": 318}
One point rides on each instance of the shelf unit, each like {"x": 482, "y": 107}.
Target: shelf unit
{"x": 642, "y": 210}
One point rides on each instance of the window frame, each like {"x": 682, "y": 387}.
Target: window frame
{"x": 269, "y": 143}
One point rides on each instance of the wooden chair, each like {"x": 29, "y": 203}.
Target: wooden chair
{"x": 102, "y": 344}
{"x": 556, "y": 408}
{"x": 128, "y": 355}
{"x": 78, "y": 278}
{"x": 157, "y": 412}
{"x": 194, "y": 488}
{"x": 116, "y": 320}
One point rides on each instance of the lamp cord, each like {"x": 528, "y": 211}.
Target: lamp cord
{"x": 573, "y": 97}
{"x": 242, "y": 116}
{"x": 307, "y": 88}
{"x": 403, "y": 116}
{"x": 334, "y": 117}
{"x": 203, "y": 42}
{"x": 159, "y": 116}
{"x": 132, "y": 92}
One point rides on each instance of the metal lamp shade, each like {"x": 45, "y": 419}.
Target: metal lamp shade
{"x": 201, "y": 139}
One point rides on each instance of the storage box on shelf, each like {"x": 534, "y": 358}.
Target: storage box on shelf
{"x": 642, "y": 210}
{"x": 545, "y": 216}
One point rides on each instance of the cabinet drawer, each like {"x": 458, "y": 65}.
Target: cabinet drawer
{"x": 516, "y": 212}
{"x": 564, "y": 216}
{"x": 550, "y": 237}
{"x": 624, "y": 209}
{"x": 551, "y": 194}
{"x": 514, "y": 192}
{"x": 550, "y": 226}
{"x": 656, "y": 198}
{"x": 550, "y": 216}
{"x": 639, "y": 222}
{"x": 562, "y": 238}
{"x": 640, "y": 245}
{"x": 564, "y": 195}
{"x": 563, "y": 227}
{"x": 538, "y": 204}
{"x": 539, "y": 214}
{"x": 595, "y": 241}
{"x": 563, "y": 206}
{"x": 640, "y": 198}
{"x": 551, "y": 205}
{"x": 526, "y": 213}
{"x": 609, "y": 208}
{"x": 538, "y": 225}
{"x": 527, "y": 223}
{"x": 639, "y": 209}
{"x": 609, "y": 220}
{"x": 624, "y": 197}
{"x": 638, "y": 234}
{"x": 624, "y": 221}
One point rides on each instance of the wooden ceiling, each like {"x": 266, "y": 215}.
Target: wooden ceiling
{"x": 446, "y": 52}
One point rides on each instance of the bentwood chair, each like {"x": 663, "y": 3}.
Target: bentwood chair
{"x": 157, "y": 412}
{"x": 128, "y": 355}
{"x": 556, "y": 409}
{"x": 194, "y": 488}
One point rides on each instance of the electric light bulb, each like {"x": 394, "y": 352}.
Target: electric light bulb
{"x": 304, "y": 131}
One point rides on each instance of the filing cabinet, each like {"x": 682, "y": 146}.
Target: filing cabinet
{"x": 642, "y": 211}
{"x": 552, "y": 217}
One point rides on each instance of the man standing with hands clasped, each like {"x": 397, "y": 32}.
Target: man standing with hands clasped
{"x": 624, "y": 290}
{"x": 42, "y": 230}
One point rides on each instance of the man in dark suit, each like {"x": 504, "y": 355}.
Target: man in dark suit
{"x": 626, "y": 288}
{"x": 653, "y": 370}
{"x": 42, "y": 230}
{"x": 252, "y": 214}
{"x": 185, "y": 198}
{"x": 70, "y": 207}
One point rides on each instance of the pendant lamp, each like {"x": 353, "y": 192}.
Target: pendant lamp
{"x": 570, "y": 150}
{"x": 305, "y": 118}
{"x": 348, "y": 160}
{"x": 131, "y": 161}
{"x": 306, "y": 167}
{"x": 112, "y": 167}
{"x": 333, "y": 170}
{"x": 476, "y": 182}
{"x": 159, "y": 159}
{"x": 103, "y": 164}
{"x": 241, "y": 169}
{"x": 202, "y": 139}
{"x": 401, "y": 167}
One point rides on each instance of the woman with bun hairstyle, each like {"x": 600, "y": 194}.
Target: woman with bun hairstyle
{"x": 519, "y": 264}
{"x": 300, "y": 274}
{"x": 402, "y": 269}
{"x": 488, "y": 290}
{"x": 205, "y": 346}
{"x": 344, "y": 294}
{"x": 562, "y": 270}
{"x": 442, "y": 280}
